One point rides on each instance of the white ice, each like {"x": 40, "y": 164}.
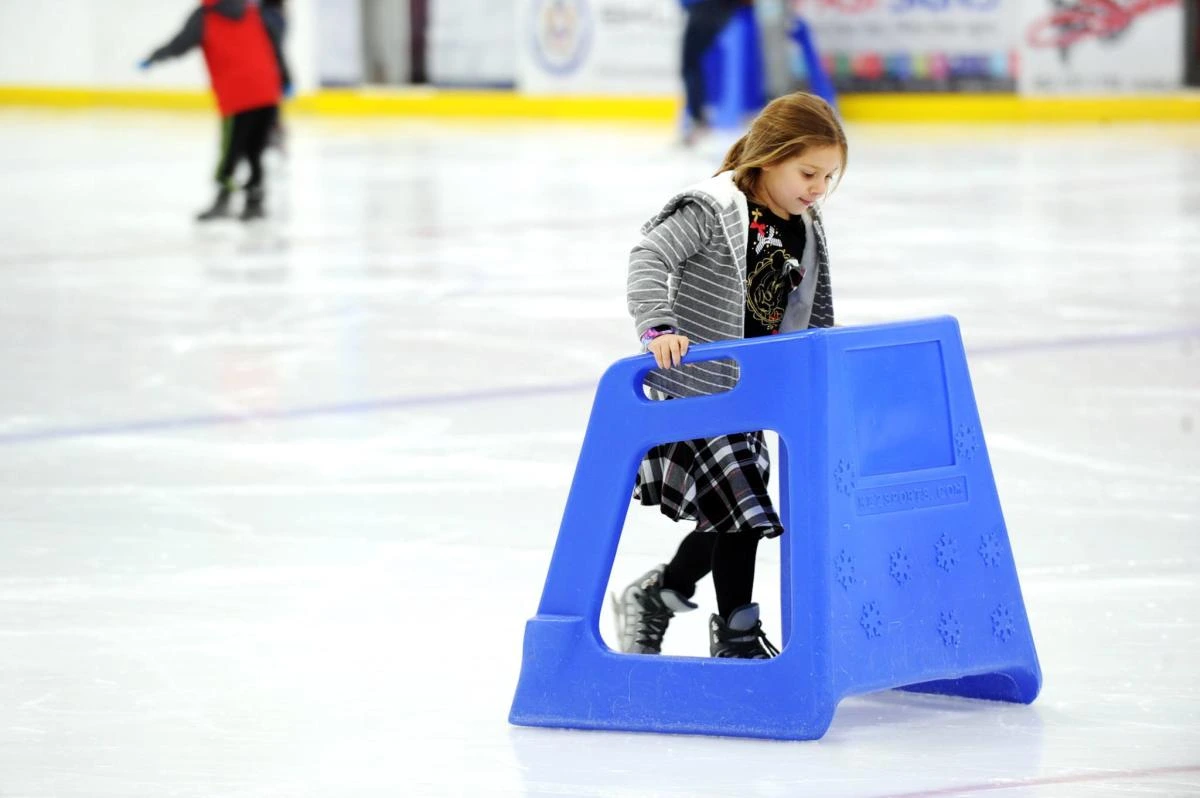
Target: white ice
{"x": 277, "y": 501}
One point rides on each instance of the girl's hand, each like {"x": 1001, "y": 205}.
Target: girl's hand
{"x": 668, "y": 349}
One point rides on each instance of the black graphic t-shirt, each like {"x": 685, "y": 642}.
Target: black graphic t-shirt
{"x": 774, "y": 250}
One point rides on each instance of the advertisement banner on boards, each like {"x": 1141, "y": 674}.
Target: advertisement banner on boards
{"x": 915, "y": 45}
{"x": 613, "y": 47}
{"x": 1101, "y": 46}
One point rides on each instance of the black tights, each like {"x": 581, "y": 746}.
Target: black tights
{"x": 730, "y": 556}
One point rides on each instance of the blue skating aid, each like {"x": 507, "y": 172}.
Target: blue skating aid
{"x": 896, "y": 566}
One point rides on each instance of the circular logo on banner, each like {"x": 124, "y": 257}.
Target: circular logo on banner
{"x": 562, "y": 31}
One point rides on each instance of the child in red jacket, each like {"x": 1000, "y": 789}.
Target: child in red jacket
{"x": 249, "y": 75}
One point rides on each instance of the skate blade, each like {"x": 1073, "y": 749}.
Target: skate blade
{"x": 618, "y": 620}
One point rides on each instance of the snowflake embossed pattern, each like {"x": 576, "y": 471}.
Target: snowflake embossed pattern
{"x": 990, "y": 549}
{"x": 966, "y": 442}
{"x": 947, "y": 552}
{"x": 1002, "y": 623}
{"x": 870, "y": 620}
{"x": 843, "y": 477}
{"x": 843, "y": 568}
{"x": 949, "y": 628}
{"x": 899, "y": 566}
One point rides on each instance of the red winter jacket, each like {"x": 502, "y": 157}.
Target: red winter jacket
{"x": 243, "y": 54}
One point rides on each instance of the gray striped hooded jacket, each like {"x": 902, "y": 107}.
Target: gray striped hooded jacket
{"x": 689, "y": 272}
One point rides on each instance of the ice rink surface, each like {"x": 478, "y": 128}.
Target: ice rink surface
{"x": 277, "y": 500}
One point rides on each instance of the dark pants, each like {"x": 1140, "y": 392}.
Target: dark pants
{"x": 730, "y": 556}
{"x": 705, "y": 21}
{"x": 244, "y": 135}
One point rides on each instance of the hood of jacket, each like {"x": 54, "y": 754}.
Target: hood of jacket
{"x": 718, "y": 193}
{"x": 234, "y": 9}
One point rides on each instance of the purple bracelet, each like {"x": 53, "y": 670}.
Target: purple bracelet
{"x": 651, "y": 334}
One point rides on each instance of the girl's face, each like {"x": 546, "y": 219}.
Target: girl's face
{"x": 790, "y": 186}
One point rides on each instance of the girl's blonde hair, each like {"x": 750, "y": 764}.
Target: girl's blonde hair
{"x": 788, "y": 126}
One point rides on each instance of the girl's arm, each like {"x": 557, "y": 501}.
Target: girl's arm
{"x": 660, "y": 256}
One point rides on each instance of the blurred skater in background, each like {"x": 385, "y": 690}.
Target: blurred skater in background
{"x": 705, "y": 21}
{"x": 249, "y": 75}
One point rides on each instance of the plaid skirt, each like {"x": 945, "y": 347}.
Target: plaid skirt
{"x": 720, "y": 483}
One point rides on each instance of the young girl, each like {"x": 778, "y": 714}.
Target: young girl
{"x": 739, "y": 255}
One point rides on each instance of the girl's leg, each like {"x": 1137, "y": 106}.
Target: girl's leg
{"x": 730, "y": 556}
{"x": 691, "y": 563}
{"x": 733, "y": 561}
{"x": 735, "y": 631}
